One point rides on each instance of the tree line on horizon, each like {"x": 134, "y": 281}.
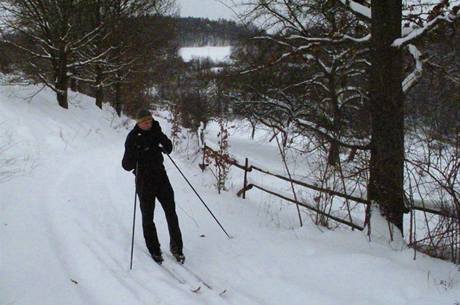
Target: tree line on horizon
{"x": 113, "y": 50}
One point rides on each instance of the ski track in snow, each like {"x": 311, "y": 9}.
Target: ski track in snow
{"x": 103, "y": 231}
{"x": 65, "y": 232}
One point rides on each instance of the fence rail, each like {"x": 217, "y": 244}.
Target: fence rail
{"x": 416, "y": 205}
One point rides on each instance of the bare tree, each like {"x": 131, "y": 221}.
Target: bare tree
{"x": 53, "y": 37}
{"x": 120, "y": 29}
{"x": 350, "y": 27}
{"x": 388, "y": 88}
{"x": 63, "y": 37}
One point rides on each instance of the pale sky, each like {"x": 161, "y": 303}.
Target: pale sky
{"x": 211, "y": 9}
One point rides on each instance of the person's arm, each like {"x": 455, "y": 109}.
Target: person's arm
{"x": 166, "y": 144}
{"x": 130, "y": 155}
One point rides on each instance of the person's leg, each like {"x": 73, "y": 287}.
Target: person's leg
{"x": 147, "y": 205}
{"x": 165, "y": 196}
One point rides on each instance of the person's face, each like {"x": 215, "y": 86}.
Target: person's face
{"x": 145, "y": 124}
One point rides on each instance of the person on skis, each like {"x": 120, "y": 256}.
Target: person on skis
{"x": 144, "y": 146}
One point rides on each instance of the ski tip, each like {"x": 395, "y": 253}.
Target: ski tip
{"x": 196, "y": 290}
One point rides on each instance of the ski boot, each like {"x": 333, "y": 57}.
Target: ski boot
{"x": 157, "y": 257}
{"x": 178, "y": 255}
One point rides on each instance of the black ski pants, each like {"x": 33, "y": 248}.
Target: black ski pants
{"x": 149, "y": 190}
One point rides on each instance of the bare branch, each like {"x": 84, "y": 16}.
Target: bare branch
{"x": 416, "y": 74}
{"x": 357, "y": 8}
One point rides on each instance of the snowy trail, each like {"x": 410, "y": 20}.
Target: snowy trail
{"x": 86, "y": 211}
{"x": 88, "y": 231}
{"x": 93, "y": 215}
{"x": 65, "y": 231}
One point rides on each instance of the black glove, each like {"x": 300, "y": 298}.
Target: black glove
{"x": 163, "y": 150}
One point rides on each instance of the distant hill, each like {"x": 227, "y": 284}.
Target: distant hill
{"x": 197, "y": 32}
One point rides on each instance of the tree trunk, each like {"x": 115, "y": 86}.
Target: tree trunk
{"x": 99, "y": 76}
{"x": 118, "y": 98}
{"x": 62, "y": 81}
{"x": 387, "y": 113}
{"x": 73, "y": 84}
{"x": 334, "y": 154}
{"x": 99, "y": 96}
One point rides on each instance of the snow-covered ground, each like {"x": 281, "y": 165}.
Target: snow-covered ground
{"x": 215, "y": 54}
{"x": 66, "y": 210}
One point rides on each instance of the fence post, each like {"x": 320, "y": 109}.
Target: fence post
{"x": 246, "y": 167}
{"x": 203, "y": 165}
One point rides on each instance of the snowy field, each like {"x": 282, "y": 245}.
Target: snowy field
{"x": 66, "y": 210}
{"x": 215, "y": 54}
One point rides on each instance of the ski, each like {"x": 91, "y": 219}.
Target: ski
{"x": 177, "y": 277}
{"x": 197, "y": 277}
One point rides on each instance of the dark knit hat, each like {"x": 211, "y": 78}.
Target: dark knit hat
{"x": 143, "y": 115}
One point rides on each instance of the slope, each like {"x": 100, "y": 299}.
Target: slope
{"x": 66, "y": 216}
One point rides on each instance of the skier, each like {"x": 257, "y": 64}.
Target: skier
{"x": 144, "y": 146}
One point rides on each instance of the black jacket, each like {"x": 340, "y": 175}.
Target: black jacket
{"x": 143, "y": 146}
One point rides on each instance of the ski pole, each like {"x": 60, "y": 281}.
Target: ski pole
{"x": 198, "y": 196}
{"x": 134, "y": 218}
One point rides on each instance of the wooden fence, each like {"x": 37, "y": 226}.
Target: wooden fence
{"x": 247, "y": 168}
{"x": 248, "y": 186}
